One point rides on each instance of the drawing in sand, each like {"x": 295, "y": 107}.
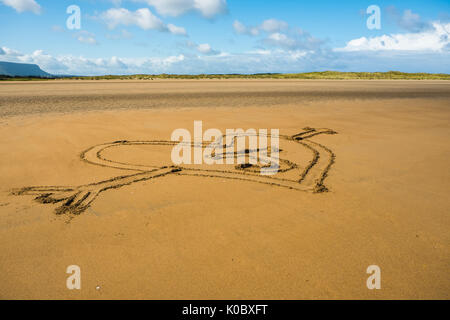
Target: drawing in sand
{"x": 292, "y": 174}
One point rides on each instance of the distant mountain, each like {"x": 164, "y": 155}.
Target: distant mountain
{"x": 12, "y": 69}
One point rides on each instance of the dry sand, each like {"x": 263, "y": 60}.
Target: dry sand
{"x": 196, "y": 237}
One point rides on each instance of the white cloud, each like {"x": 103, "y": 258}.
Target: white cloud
{"x": 123, "y": 34}
{"x": 82, "y": 36}
{"x": 274, "y": 25}
{"x": 278, "y": 34}
{"x": 208, "y": 8}
{"x": 280, "y": 39}
{"x": 143, "y": 18}
{"x": 240, "y": 28}
{"x": 258, "y": 61}
{"x": 172, "y": 59}
{"x": 67, "y": 64}
{"x": 176, "y": 30}
{"x": 409, "y": 21}
{"x": 435, "y": 39}
{"x": 294, "y": 41}
{"x": 10, "y": 52}
{"x": 269, "y": 25}
{"x": 23, "y": 5}
{"x": 204, "y": 48}
{"x": 209, "y": 62}
{"x": 87, "y": 40}
{"x": 260, "y": 51}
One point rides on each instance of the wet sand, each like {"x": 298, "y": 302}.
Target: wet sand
{"x": 69, "y": 96}
{"x": 197, "y": 237}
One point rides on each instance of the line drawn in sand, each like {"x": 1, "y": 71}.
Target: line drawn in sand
{"x": 77, "y": 199}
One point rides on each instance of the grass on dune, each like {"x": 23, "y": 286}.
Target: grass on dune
{"x": 332, "y": 75}
{"x": 324, "y": 75}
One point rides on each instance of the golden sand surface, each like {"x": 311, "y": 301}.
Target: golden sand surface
{"x": 175, "y": 235}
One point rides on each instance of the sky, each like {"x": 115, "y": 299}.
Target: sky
{"x": 226, "y": 36}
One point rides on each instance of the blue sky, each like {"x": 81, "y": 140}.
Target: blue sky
{"x": 226, "y": 36}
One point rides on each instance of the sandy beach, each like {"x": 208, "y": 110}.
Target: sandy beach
{"x": 186, "y": 236}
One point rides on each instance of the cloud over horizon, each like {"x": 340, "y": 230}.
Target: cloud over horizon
{"x": 435, "y": 39}
{"x": 257, "y": 61}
